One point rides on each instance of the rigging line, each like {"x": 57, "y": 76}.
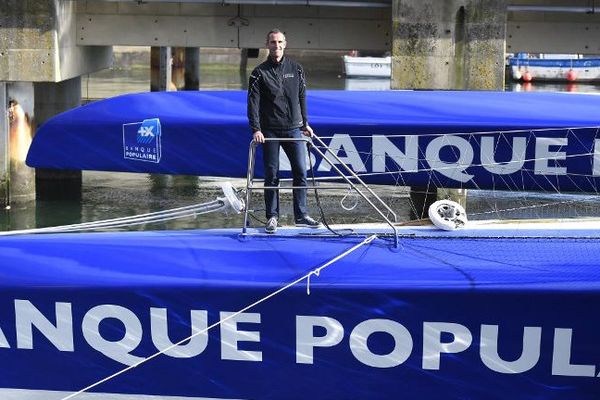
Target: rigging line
{"x": 512, "y": 180}
{"x": 192, "y": 208}
{"x": 454, "y": 165}
{"x": 414, "y": 171}
{"x": 159, "y": 216}
{"x": 406, "y": 157}
{"x": 514, "y": 131}
{"x": 589, "y": 198}
{"x": 307, "y": 276}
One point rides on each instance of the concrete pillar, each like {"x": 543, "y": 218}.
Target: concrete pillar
{"x": 244, "y": 67}
{"x": 38, "y": 43}
{"x": 447, "y": 44}
{"x": 4, "y": 168}
{"x": 160, "y": 69}
{"x": 51, "y": 99}
{"x": 192, "y": 68}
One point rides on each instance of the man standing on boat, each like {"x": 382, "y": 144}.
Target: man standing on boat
{"x": 277, "y": 109}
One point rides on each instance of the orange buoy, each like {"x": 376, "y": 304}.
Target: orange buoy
{"x": 527, "y": 77}
{"x": 571, "y": 76}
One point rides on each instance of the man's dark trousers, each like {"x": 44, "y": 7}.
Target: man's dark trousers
{"x": 296, "y": 152}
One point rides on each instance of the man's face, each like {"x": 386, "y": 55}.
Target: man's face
{"x": 276, "y": 44}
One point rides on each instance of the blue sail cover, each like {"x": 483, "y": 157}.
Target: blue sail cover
{"x": 438, "y": 318}
{"x": 392, "y": 137}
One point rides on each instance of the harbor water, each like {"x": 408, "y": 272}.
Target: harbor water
{"x": 107, "y": 195}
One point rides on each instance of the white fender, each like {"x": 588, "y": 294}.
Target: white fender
{"x": 447, "y": 215}
{"x": 231, "y": 200}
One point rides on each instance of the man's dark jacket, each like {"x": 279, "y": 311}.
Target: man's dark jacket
{"x": 277, "y": 96}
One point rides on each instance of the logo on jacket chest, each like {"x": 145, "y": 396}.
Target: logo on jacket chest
{"x": 286, "y": 76}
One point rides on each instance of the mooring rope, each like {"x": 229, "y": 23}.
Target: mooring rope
{"x": 158, "y": 216}
{"x": 316, "y": 272}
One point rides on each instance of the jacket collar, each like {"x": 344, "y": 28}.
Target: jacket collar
{"x": 274, "y": 63}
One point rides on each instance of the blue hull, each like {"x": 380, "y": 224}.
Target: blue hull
{"x": 393, "y": 137}
{"x": 450, "y": 316}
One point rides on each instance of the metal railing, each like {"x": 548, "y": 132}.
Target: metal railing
{"x": 349, "y": 180}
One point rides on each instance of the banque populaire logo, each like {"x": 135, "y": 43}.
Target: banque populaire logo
{"x": 141, "y": 140}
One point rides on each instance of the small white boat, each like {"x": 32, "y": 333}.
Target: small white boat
{"x": 368, "y": 66}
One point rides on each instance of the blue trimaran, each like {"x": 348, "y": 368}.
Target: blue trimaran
{"x": 492, "y": 311}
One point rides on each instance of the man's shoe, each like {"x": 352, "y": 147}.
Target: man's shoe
{"x": 308, "y": 222}
{"x": 271, "y": 226}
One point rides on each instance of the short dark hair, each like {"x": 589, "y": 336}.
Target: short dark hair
{"x": 274, "y": 30}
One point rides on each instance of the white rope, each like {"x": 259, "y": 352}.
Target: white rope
{"x": 159, "y": 216}
{"x": 465, "y": 133}
{"x": 315, "y": 272}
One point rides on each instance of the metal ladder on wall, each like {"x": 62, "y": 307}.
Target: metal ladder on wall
{"x": 348, "y": 179}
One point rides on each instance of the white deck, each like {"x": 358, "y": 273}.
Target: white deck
{"x": 551, "y": 228}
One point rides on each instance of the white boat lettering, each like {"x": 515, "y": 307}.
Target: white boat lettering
{"x": 489, "y": 162}
{"x": 3, "y": 342}
{"x": 434, "y": 345}
{"x": 316, "y": 336}
{"x": 548, "y": 155}
{"x": 343, "y": 146}
{"x": 544, "y": 155}
{"x": 160, "y": 334}
{"x": 119, "y": 350}
{"x": 596, "y": 159}
{"x": 561, "y": 360}
{"x": 406, "y": 161}
{"x": 230, "y": 336}
{"x": 59, "y": 334}
{"x": 453, "y": 170}
{"x": 532, "y": 339}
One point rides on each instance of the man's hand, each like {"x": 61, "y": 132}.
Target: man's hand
{"x": 258, "y": 137}
{"x": 307, "y": 131}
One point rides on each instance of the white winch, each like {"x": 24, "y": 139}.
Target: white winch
{"x": 447, "y": 215}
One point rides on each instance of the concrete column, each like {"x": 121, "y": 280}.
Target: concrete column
{"x": 160, "y": 69}
{"x": 244, "y": 67}
{"x": 4, "y": 167}
{"x": 51, "y": 99}
{"x": 38, "y": 42}
{"x": 447, "y": 44}
{"x": 192, "y": 68}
